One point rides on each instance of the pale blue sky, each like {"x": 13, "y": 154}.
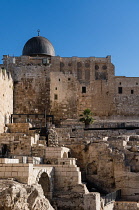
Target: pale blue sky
{"x": 76, "y": 28}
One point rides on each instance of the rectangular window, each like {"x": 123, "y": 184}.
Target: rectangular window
{"x": 83, "y": 89}
{"x": 55, "y": 96}
{"x": 132, "y": 91}
{"x": 120, "y": 90}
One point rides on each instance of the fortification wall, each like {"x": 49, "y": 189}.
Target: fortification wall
{"x": 65, "y": 87}
{"x": 80, "y": 83}
{"x": 127, "y": 96}
{"x": 62, "y": 86}
{"x": 31, "y": 89}
{"x": 6, "y": 98}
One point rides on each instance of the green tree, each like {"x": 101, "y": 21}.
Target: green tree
{"x": 86, "y": 117}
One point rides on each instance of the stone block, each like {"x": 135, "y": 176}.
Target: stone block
{"x": 2, "y": 174}
{"x": 8, "y": 174}
{"x": 14, "y": 174}
{"x": 2, "y": 168}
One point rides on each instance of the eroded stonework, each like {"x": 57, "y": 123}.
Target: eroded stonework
{"x": 49, "y": 153}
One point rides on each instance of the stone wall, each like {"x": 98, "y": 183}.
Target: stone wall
{"x": 77, "y": 136}
{"x": 20, "y": 172}
{"x": 126, "y": 205}
{"x": 127, "y": 100}
{"x": 82, "y": 83}
{"x": 66, "y": 86}
{"x": 6, "y": 95}
{"x": 31, "y": 90}
{"x": 62, "y": 86}
{"x": 92, "y": 201}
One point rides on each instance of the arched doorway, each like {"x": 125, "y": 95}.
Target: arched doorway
{"x": 45, "y": 183}
{"x": 4, "y": 150}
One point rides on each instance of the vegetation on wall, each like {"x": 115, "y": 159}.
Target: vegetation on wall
{"x": 86, "y": 117}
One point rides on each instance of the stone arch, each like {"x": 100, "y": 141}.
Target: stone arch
{"x": 44, "y": 180}
{"x": 4, "y": 150}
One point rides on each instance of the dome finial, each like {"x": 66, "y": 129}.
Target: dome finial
{"x": 38, "y": 32}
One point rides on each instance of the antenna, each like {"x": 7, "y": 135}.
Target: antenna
{"x": 38, "y": 32}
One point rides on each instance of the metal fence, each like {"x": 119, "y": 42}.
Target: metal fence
{"x": 112, "y": 197}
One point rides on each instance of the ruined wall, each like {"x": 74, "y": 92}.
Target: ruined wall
{"x": 6, "y": 98}
{"x": 14, "y": 195}
{"x": 125, "y": 205}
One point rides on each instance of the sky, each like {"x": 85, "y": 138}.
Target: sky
{"x": 80, "y": 28}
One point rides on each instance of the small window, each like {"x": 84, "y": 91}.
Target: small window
{"x": 55, "y": 96}
{"x": 119, "y": 83}
{"x": 120, "y": 90}
{"x": 132, "y": 91}
{"x": 59, "y": 79}
{"x": 83, "y": 89}
{"x": 68, "y": 78}
{"x": 55, "y": 88}
{"x": 136, "y": 83}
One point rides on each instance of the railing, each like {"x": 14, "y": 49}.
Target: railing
{"x": 32, "y": 118}
{"x": 112, "y": 197}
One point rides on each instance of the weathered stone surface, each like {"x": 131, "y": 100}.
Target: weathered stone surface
{"x": 52, "y": 137}
{"x": 64, "y": 87}
{"x": 14, "y": 195}
{"x": 6, "y": 95}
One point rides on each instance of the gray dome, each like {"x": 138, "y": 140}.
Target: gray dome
{"x": 38, "y": 46}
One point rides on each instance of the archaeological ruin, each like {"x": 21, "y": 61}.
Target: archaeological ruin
{"x": 48, "y": 158}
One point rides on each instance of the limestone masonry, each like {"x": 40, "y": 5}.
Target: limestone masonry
{"x": 48, "y": 159}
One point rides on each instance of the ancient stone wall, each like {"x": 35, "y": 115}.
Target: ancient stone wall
{"x": 63, "y": 87}
{"x": 92, "y": 201}
{"x": 66, "y": 86}
{"x": 77, "y": 136}
{"x": 6, "y": 98}
{"x": 126, "y": 205}
{"x": 82, "y": 83}
{"x": 31, "y": 90}
{"x": 21, "y": 172}
{"x": 126, "y": 96}
{"x": 31, "y": 86}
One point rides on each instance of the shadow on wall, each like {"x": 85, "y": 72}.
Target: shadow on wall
{"x": 45, "y": 183}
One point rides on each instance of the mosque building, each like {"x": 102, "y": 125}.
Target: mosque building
{"x": 65, "y": 86}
